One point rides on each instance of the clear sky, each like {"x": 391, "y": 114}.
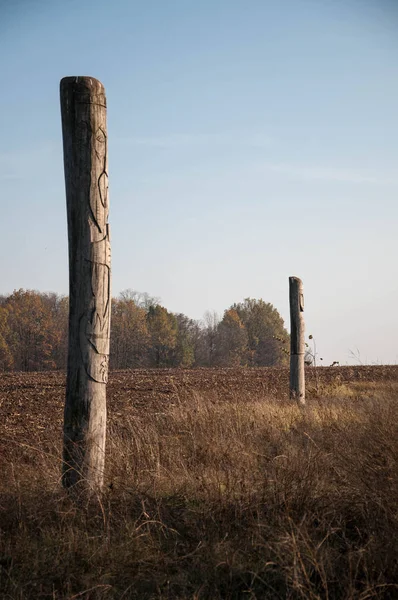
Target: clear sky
{"x": 249, "y": 140}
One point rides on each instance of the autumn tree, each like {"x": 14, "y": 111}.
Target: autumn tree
{"x": 187, "y": 341}
{"x": 58, "y": 318}
{"x": 267, "y": 336}
{"x": 140, "y": 299}
{"x": 6, "y": 358}
{"x": 32, "y": 331}
{"x": 162, "y": 327}
{"x": 232, "y": 340}
{"x": 208, "y": 353}
{"x": 129, "y": 334}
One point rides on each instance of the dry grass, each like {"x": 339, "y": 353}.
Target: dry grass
{"x": 212, "y": 499}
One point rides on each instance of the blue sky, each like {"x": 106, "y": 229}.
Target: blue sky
{"x": 248, "y": 141}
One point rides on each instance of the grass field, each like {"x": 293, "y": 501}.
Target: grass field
{"x": 217, "y": 487}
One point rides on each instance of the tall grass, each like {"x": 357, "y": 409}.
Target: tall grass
{"x": 213, "y": 499}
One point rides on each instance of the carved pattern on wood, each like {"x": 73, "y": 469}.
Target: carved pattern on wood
{"x": 83, "y": 108}
{"x": 297, "y": 343}
{"x": 95, "y": 322}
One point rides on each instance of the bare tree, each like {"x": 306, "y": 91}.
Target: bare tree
{"x": 211, "y": 320}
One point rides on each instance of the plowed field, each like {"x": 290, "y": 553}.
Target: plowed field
{"x": 217, "y": 487}
{"x": 31, "y": 404}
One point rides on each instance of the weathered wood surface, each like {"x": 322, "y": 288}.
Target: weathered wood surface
{"x": 83, "y": 110}
{"x": 297, "y": 340}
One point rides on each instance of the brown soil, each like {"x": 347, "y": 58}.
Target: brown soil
{"x": 31, "y": 404}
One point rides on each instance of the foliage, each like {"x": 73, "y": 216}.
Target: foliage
{"x": 264, "y": 325}
{"x": 232, "y": 340}
{"x": 130, "y": 338}
{"x": 187, "y": 342}
{"x": 6, "y": 357}
{"x": 162, "y": 327}
{"x": 34, "y": 334}
{"x": 34, "y": 330}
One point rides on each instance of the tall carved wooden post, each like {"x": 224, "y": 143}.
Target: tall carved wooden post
{"x": 83, "y": 109}
{"x": 297, "y": 340}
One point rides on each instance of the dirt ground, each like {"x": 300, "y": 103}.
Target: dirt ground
{"x": 31, "y": 404}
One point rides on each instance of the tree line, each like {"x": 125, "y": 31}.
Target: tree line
{"x": 34, "y": 334}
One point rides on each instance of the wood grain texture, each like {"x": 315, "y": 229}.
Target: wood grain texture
{"x": 297, "y": 340}
{"x": 85, "y": 144}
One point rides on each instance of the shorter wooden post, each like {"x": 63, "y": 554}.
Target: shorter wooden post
{"x": 297, "y": 341}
